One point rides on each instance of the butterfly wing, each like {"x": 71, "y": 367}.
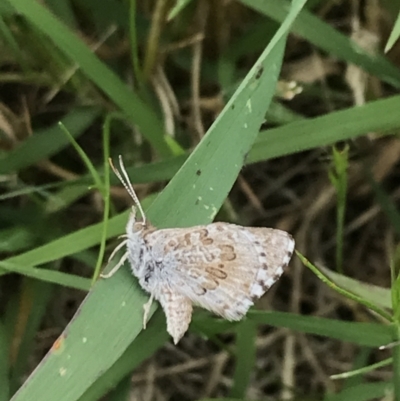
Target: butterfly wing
{"x": 178, "y": 311}
{"x": 222, "y": 267}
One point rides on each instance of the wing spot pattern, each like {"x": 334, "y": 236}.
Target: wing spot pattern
{"x": 227, "y": 253}
{"x": 216, "y": 273}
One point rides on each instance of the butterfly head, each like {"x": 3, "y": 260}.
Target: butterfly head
{"x": 135, "y": 225}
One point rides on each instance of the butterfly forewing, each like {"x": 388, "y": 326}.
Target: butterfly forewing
{"x": 223, "y": 267}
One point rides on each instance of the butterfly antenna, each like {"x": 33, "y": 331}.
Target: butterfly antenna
{"x": 124, "y": 178}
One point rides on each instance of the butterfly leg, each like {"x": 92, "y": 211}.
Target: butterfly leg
{"x": 116, "y": 267}
{"x": 146, "y": 310}
{"x": 117, "y": 248}
{"x": 178, "y": 311}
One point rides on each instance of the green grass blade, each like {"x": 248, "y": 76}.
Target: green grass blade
{"x": 338, "y": 176}
{"x": 366, "y": 334}
{"x": 394, "y": 35}
{"x": 134, "y": 44}
{"x": 177, "y": 8}
{"x": 219, "y": 158}
{"x": 348, "y": 294}
{"x": 145, "y": 345}
{"x": 70, "y": 244}
{"x": 129, "y": 102}
{"x": 326, "y": 130}
{"x": 106, "y": 196}
{"x": 64, "y": 11}
{"x": 49, "y": 276}
{"x": 85, "y": 159}
{"x": 392, "y": 213}
{"x": 103, "y": 188}
{"x": 6, "y": 9}
{"x": 357, "y": 373}
{"x": 246, "y": 335}
{"x": 16, "y": 238}
{"x": 90, "y": 344}
{"x": 360, "y": 363}
{"x": 363, "y": 392}
{"x": 33, "y": 303}
{"x": 193, "y": 196}
{"x": 9, "y": 39}
{"x": 151, "y": 172}
{"x": 396, "y": 363}
{"x": 47, "y": 142}
{"x": 377, "y": 295}
{"x": 328, "y": 39}
{"x": 271, "y": 143}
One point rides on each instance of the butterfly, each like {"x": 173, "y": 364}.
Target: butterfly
{"x": 220, "y": 267}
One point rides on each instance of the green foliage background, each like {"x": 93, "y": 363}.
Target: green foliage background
{"x": 104, "y": 342}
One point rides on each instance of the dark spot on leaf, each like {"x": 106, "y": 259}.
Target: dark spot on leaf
{"x": 198, "y": 172}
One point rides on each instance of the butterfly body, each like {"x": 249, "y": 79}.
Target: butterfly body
{"x": 221, "y": 267}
